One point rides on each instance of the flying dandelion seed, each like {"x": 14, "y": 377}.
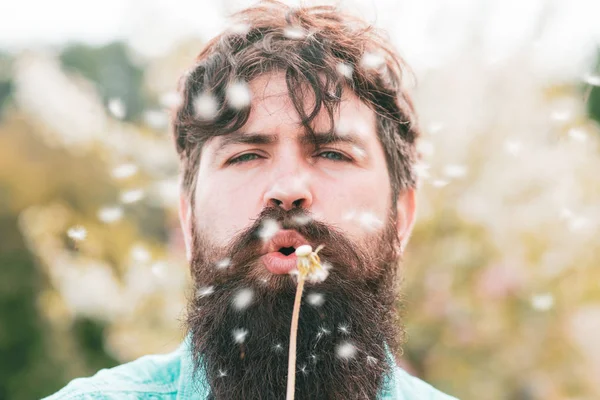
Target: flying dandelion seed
{"x": 117, "y": 108}
{"x": 439, "y": 183}
{"x": 302, "y": 219}
{"x": 243, "y": 298}
{"x": 238, "y": 95}
{"x": 513, "y": 147}
{"x": 345, "y": 350}
{"x": 222, "y": 373}
{"x": 578, "y": 134}
{"x": 205, "y": 291}
{"x": 561, "y": 115}
{"x": 345, "y": 70}
{"x": 156, "y": 119}
{"x": 240, "y": 29}
{"x": 170, "y": 100}
{"x": 278, "y": 347}
{"x": 77, "y": 233}
{"x": 224, "y": 263}
{"x": 435, "y": 127}
{"x": 426, "y": 147}
{"x": 124, "y": 171}
{"x": 422, "y": 170}
{"x": 206, "y": 106}
{"x": 371, "y": 360}
{"x": 358, "y": 152}
{"x": 371, "y": 60}
{"x": 324, "y": 330}
{"x": 303, "y": 370}
{"x": 314, "y": 358}
{"x": 320, "y": 274}
{"x": 315, "y": 299}
{"x": 592, "y": 79}
{"x": 455, "y": 171}
{"x": 239, "y": 335}
{"x": 268, "y": 229}
{"x": 109, "y": 215}
{"x": 294, "y": 33}
{"x": 542, "y": 302}
{"x": 140, "y": 254}
{"x": 159, "y": 269}
{"x": 344, "y": 329}
{"x": 131, "y": 196}
{"x": 369, "y": 221}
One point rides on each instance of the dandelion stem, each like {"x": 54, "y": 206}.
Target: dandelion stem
{"x": 291, "y": 381}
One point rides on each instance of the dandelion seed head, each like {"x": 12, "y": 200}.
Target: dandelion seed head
{"x": 109, "y": 215}
{"x": 268, "y": 229}
{"x": 238, "y": 95}
{"x": 315, "y": 299}
{"x": 243, "y": 298}
{"x": 124, "y": 171}
{"x": 77, "y": 233}
{"x": 117, "y": 108}
{"x": 345, "y": 350}
{"x": 131, "y": 196}
{"x": 345, "y": 69}
{"x": 206, "y": 106}
{"x": 542, "y": 302}
{"x": 320, "y": 274}
{"x": 239, "y": 335}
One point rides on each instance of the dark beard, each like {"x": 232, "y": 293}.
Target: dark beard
{"x": 341, "y": 343}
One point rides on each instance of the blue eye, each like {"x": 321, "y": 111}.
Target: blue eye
{"x": 244, "y": 158}
{"x": 334, "y": 156}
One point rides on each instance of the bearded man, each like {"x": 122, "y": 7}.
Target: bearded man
{"x": 294, "y": 128}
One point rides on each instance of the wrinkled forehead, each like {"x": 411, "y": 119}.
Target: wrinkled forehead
{"x": 273, "y": 108}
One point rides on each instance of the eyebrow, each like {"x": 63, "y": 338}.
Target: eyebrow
{"x": 318, "y": 139}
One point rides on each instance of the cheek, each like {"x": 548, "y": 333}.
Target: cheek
{"x": 224, "y": 208}
{"x": 357, "y": 205}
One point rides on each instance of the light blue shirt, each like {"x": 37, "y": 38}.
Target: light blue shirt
{"x": 169, "y": 376}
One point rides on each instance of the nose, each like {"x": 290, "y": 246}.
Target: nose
{"x": 289, "y": 190}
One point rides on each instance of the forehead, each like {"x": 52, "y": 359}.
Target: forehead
{"x": 273, "y": 110}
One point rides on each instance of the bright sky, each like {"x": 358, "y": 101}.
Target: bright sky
{"x": 427, "y": 31}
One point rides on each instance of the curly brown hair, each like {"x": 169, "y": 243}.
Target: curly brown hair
{"x": 325, "y": 52}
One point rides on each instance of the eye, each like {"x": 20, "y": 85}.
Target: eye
{"x": 334, "y": 156}
{"x": 244, "y": 158}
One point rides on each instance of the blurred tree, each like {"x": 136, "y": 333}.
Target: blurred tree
{"x": 112, "y": 70}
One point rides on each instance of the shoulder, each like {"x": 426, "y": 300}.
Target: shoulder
{"x": 408, "y": 387}
{"x": 149, "y": 377}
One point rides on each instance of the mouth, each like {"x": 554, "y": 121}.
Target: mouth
{"x": 279, "y": 255}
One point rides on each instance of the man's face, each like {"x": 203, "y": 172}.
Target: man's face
{"x": 338, "y": 195}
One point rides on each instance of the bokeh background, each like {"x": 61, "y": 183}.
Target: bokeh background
{"x": 502, "y": 276}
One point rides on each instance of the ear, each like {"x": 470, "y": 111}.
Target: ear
{"x": 406, "y": 214}
{"x": 185, "y": 220}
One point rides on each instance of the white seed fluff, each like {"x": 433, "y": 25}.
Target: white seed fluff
{"x": 117, "y": 108}
{"x": 124, "y": 171}
{"x": 243, "y": 298}
{"x": 109, "y": 215}
{"x": 131, "y": 196}
{"x": 205, "y": 291}
{"x": 345, "y": 350}
{"x": 345, "y": 70}
{"x": 315, "y": 299}
{"x": 239, "y": 335}
{"x": 206, "y": 106}
{"x": 238, "y": 95}
{"x": 77, "y": 233}
{"x": 268, "y": 229}
{"x": 542, "y": 302}
{"x": 224, "y": 263}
